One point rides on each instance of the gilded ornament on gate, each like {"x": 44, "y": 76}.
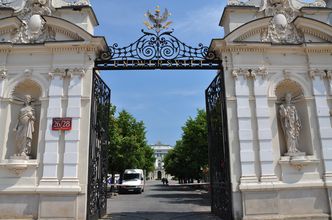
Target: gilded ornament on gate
{"x": 158, "y": 22}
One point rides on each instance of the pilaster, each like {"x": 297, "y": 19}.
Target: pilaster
{"x": 323, "y": 116}
{"x": 264, "y": 126}
{"x": 244, "y": 115}
{"x": 52, "y": 138}
{"x": 329, "y": 77}
{"x": 72, "y": 137}
{"x": 3, "y": 75}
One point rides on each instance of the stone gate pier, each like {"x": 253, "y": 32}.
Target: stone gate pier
{"x": 47, "y": 53}
{"x": 277, "y": 57}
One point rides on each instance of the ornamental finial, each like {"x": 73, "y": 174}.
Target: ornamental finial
{"x": 158, "y": 22}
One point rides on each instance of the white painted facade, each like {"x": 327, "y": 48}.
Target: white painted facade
{"x": 160, "y": 151}
{"x": 50, "y": 57}
{"x": 261, "y": 65}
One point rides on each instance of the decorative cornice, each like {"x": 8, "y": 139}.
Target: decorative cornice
{"x": 316, "y": 33}
{"x": 6, "y": 30}
{"x": 250, "y": 73}
{"x": 240, "y": 3}
{"x": 323, "y": 74}
{"x": 263, "y": 32}
{"x": 65, "y": 49}
{"x": 78, "y": 3}
{"x": 316, "y": 3}
{"x": 70, "y": 34}
{"x": 264, "y": 48}
{"x": 3, "y": 74}
{"x": 252, "y": 32}
{"x": 244, "y": 48}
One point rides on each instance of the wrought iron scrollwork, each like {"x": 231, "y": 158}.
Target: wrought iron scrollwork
{"x": 219, "y": 161}
{"x": 99, "y": 140}
{"x": 158, "y": 51}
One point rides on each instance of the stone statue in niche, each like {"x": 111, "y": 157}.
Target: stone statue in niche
{"x": 291, "y": 126}
{"x": 25, "y": 128}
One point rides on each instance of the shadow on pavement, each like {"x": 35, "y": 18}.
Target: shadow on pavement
{"x": 184, "y": 198}
{"x": 162, "y": 216}
{"x": 173, "y": 188}
{"x": 170, "y": 188}
{"x": 181, "y": 195}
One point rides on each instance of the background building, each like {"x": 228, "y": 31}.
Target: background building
{"x": 160, "y": 150}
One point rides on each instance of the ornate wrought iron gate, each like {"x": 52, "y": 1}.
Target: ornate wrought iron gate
{"x": 160, "y": 49}
{"x": 219, "y": 159}
{"x": 99, "y": 141}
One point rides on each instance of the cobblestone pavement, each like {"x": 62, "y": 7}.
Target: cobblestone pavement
{"x": 160, "y": 202}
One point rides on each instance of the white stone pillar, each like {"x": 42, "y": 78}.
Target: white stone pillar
{"x": 52, "y": 138}
{"x": 72, "y": 137}
{"x": 3, "y": 75}
{"x": 264, "y": 126}
{"x": 329, "y": 77}
{"x": 244, "y": 116}
{"x": 324, "y": 121}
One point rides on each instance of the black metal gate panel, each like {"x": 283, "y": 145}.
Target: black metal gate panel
{"x": 98, "y": 148}
{"x": 219, "y": 158}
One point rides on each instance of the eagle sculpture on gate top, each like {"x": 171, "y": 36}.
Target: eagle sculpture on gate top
{"x": 158, "y": 20}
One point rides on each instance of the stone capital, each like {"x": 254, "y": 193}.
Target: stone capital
{"x": 67, "y": 72}
{"x": 76, "y": 72}
{"x": 3, "y": 74}
{"x": 57, "y": 72}
{"x": 323, "y": 74}
{"x": 250, "y": 73}
{"x": 262, "y": 72}
{"x": 328, "y": 74}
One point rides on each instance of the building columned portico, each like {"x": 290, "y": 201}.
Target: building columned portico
{"x": 160, "y": 151}
{"x": 277, "y": 58}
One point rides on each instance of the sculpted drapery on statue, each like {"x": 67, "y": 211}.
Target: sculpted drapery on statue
{"x": 25, "y": 128}
{"x": 291, "y": 125}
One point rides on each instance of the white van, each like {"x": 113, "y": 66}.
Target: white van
{"x": 133, "y": 181}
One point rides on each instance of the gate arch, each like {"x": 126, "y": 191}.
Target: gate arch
{"x": 162, "y": 50}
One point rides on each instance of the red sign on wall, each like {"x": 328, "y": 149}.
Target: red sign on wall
{"x": 61, "y": 124}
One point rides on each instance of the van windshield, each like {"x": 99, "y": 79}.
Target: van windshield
{"x": 130, "y": 176}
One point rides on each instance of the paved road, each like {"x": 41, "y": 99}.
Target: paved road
{"x": 160, "y": 202}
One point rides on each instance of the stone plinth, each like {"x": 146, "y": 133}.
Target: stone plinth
{"x": 299, "y": 168}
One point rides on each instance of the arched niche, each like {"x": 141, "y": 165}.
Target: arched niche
{"x": 17, "y": 96}
{"x": 298, "y": 99}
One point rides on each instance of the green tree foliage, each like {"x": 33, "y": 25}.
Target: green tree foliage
{"x": 190, "y": 155}
{"x": 128, "y": 148}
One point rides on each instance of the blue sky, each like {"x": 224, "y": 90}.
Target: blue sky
{"x": 163, "y": 99}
